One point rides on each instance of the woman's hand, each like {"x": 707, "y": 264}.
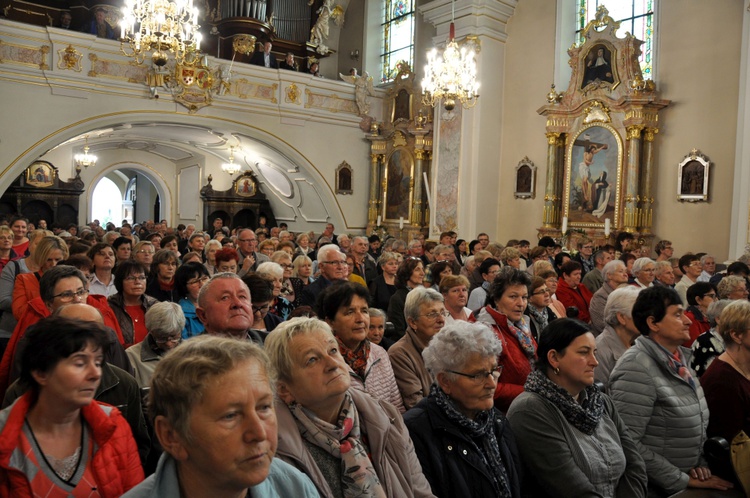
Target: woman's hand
{"x": 700, "y": 477}
{"x": 700, "y": 473}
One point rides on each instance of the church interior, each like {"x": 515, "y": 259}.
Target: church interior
{"x": 569, "y": 135}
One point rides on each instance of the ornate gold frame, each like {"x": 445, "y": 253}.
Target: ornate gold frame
{"x": 253, "y": 185}
{"x": 32, "y": 182}
{"x": 407, "y": 153}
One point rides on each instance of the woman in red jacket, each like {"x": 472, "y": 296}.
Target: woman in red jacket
{"x": 61, "y": 442}
{"x": 570, "y": 292}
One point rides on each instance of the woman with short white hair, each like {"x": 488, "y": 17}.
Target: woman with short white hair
{"x": 619, "y": 332}
{"x": 209, "y": 255}
{"x": 273, "y": 273}
{"x": 644, "y": 272}
{"x": 164, "y": 322}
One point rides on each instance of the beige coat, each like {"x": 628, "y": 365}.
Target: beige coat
{"x": 412, "y": 377}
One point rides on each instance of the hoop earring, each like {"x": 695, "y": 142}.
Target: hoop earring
{"x": 557, "y": 371}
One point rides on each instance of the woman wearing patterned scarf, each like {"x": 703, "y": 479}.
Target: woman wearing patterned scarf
{"x": 539, "y": 311}
{"x": 463, "y": 442}
{"x": 349, "y": 443}
{"x": 509, "y": 294}
{"x": 344, "y": 306}
{"x": 572, "y": 441}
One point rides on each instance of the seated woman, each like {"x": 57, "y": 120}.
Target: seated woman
{"x": 188, "y": 281}
{"x": 659, "y": 398}
{"x": 344, "y": 307}
{"x": 511, "y": 257}
{"x": 619, "y": 332}
{"x": 164, "y": 322}
{"x": 60, "y": 441}
{"x": 727, "y": 381}
{"x": 376, "y": 334}
{"x": 346, "y": 441}
{"x": 143, "y": 253}
{"x": 209, "y": 255}
{"x": 571, "y": 438}
{"x": 273, "y": 273}
{"x": 303, "y": 269}
{"x": 700, "y": 296}
{"x": 261, "y": 292}
{"x": 383, "y": 286}
{"x": 436, "y": 272}
{"x": 571, "y": 293}
{"x": 709, "y": 344}
{"x": 131, "y": 303}
{"x": 48, "y": 252}
{"x": 550, "y": 278}
{"x": 644, "y": 271}
{"x": 488, "y": 269}
{"x": 161, "y": 280}
{"x": 459, "y": 415}
{"x": 410, "y": 275}
{"x": 212, "y": 404}
{"x": 455, "y": 291}
{"x": 291, "y": 287}
{"x": 509, "y": 294}
{"x": 226, "y": 260}
{"x": 539, "y": 312}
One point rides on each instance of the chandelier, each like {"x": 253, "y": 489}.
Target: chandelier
{"x": 158, "y": 27}
{"x": 452, "y": 77}
{"x": 231, "y": 167}
{"x": 84, "y": 159}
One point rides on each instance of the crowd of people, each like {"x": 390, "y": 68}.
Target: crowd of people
{"x": 148, "y": 360}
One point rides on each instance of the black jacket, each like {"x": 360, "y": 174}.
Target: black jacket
{"x": 450, "y": 462}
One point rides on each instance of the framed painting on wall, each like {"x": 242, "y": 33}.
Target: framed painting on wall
{"x": 40, "y": 174}
{"x": 593, "y": 175}
{"x": 398, "y": 180}
{"x": 692, "y": 177}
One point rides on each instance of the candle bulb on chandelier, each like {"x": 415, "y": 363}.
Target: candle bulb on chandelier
{"x": 607, "y": 227}
{"x": 564, "y": 225}
{"x": 379, "y": 220}
{"x": 401, "y": 223}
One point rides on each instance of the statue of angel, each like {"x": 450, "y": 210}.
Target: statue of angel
{"x": 319, "y": 31}
{"x": 362, "y": 88}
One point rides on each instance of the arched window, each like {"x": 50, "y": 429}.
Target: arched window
{"x": 634, "y": 16}
{"x": 398, "y": 37}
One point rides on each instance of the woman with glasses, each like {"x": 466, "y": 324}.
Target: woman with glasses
{"x": 131, "y": 303}
{"x": 291, "y": 287}
{"x": 164, "y": 322}
{"x": 345, "y": 308}
{"x": 700, "y": 296}
{"x": 550, "y": 278}
{"x": 188, "y": 280}
{"x": 410, "y": 275}
{"x": 538, "y": 310}
{"x": 570, "y": 436}
{"x": 644, "y": 272}
{"x": 464, "y": 444}
{"x": 509, "y": 295}
{"x": 161, "y": 279}
{"x": 261, "y": 291}
{"x": 143, "y": 253}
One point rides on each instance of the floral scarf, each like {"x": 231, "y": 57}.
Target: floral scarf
{"x": 481, "y": 433}
{"x": 522, "y": 332}
{"x": 583, "y": 415}
{"x": 359, "y": 479}
{"x": 677, "y": 364}
{"x": 357, "y": 359}
{"x": 540, "y": 317}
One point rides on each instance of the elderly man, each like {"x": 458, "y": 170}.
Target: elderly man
{"x": 709, "y": 268}
{"x": 247, "y": 243}
{"x": 415, "y": 248}
{"x": 226, "y": 309}
{"x": 332, "y": 264}
{"x": 615, "y": 275}
{"x": 363, "y": 265}
{"x": 664, "y": 275}
{"x": 594, "y": 279}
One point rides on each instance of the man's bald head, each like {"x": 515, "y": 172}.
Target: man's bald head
{"x": 80, "y": 311}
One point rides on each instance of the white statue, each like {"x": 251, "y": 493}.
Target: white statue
{"x": 362, "y": 88}
{"x": 319, "y": 31}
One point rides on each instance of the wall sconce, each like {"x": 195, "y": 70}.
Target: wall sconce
{"x": 354, "y": 55}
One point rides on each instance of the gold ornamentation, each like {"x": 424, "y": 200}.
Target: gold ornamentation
{"x": 596, "y": 112}
{"x": 554, "y": 97}
{"x": 601, "y": 20}
{"x": 552, "y": 137}
{"x": 419, "y": 154}
{"x": 43, "y": 51}
{"x": 244, "y": 44}
{"x": 634, "y": 132}
{"x": 93, "y": 58}
{"x": 398, "y": 139}
{"x": 648, "y": 135}
{"x": 292, "y": 94}
{"x": 70, "y": 58}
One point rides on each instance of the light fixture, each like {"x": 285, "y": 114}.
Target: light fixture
{"x": 231, "y": 167}
{"x": 452, "y": 77}
{"x": 158, "y": 28}
{"x": 84, "y": 159}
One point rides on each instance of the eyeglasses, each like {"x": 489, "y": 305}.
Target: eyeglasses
{"x": 695, "y": 264}
{"x": 286, "y": 266}
{"x": 480, "y": 377}
{"x": 168, "y": 340}
{"x": 135, "y": 278}
{"x": 261, "y": 309}
{"x": 712, "y": 295}
{"x": 144, "y": 251}
{"x": 199, "y": 280}
{"x": 540, "y": 292}
{"x": 334, "y": 263}
{"x": 434, "y": 315}
{"x": 68, "y": 296}
{"x": 587, "y": 247}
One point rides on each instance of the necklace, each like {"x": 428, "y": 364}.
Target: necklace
{"x": 736, "y": 364}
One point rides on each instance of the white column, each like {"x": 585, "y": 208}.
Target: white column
{"x": 738, "y": 229}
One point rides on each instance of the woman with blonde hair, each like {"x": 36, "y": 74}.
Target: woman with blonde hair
{"x": 302, "y": 270}
{"x": 143, "y": 253}
{"x": 49, "y": 252}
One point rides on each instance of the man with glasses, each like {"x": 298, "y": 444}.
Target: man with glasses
{"x": 247, "y": 243}
{"x": 594, "y": 279}
{"x": 691, "y": 268}
{"x": 332, "y": 265}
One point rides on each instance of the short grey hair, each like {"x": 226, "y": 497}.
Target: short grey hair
{"x": 278, "y": 344}
{"x": 714, "y": 310}
{"x": 417, "y": 297}
{"x": 207, "y": 287}
{"x": 362, "y": 238}
{"x": 442, "y": 248}
{"x": 728, "y": 284}
{"x": 620, "y": 300}
{"x": 376, "y": 313}
{"x": 640, "y": 264}
{"x": 451, "y": 348}
{"x": 270, "y": 269}
{"x": 414, "y": 242}
{"x": 397, "y": 245}
{"x": 325, "y": 252}
{"x": 387, "y": 256}
{"x": 705, "y": 257}
{"x": 211, "y": 243}
{"x": 341, "y": 237}
{"x": 612, "y": 267}
{"x": 165, "y": 319}
{"x": 661, "y": 267}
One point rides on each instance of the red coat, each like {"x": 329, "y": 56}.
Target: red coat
{"x": 115, "y": 465}
{"x": 699, "y": 325}
{"x": 515, "y": 362}
{"x": 580, "y": 297}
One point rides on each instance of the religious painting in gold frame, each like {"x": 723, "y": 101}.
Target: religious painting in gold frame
{"x": 40, "y": 174}
{"x": 593, "y": 176}
{"x": 599, "y": 68}
{"x": 399, "y": 178}
{"x": 244, "y": 186}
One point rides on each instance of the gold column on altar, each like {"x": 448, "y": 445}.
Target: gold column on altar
{"x": 647, "y": 175}
{"x": 374, "y": 204}
{"x": 416, "y": 208}
{"x": 632, "y": 212}
{"x": 551, "y": 216}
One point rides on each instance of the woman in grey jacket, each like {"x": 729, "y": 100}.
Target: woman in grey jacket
{"x": 660, "y": 398}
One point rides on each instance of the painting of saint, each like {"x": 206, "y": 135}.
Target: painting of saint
{"x": 245, "y": 186}
{"x": 593, "y": 176}
{"x": 598, "y": 66}
{"x": 398, "y": 178}
{"x": 40, "y": 174}
{"x": 692, "y": 179}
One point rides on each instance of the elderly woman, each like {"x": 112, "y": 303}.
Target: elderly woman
{"x": 131, "y": 303}
{"x": 383, "y": 286}
{"x": 188, "y": 281}
{"x": 571, "y": 438}
{"x": 143, "y": 253}
{"x": 164, "y": 322}
{"x": 550, "y": 278}
{"x": 161, "y": 279}
{"x": 644, "y": 272}
{"x": 303, "y": 245}
{"x": 349, "y": 443}
{"x": 273, "y": 273}
{"x": 615, "y": 275}
{"x": 538, "y": 310}
{"x": 55, "y": 439}
{"x": 376, "y": 334}
{"x": 455, "y": 291}
{"x": 49, "y": 251}
{"x": 732, "y": 287}
{"x": 226, "y": 260}
{"x": 459, "y": 414}
{"x": 664, "y": 275}
{"x": 659, "y": 398}
{"x": 700, "y": 296}
{"x": 619, "y": 332}
{"x": 267, "y": 247}
{"x": 302, "y": 270}
{"x": 209, "y": 255}
{"x": 571, "y": 293}
{"x": 511, "y": 257}
{"x": 410, "y": 275}
{"x": 211, "y": 401}
{"x": 425, "y": 316}
{"x": 291, "y": 287}
{"x": 509, "y": 294}
{"x": 344, "y": 307}
{"x": 709, "y": 344}
{"x": 103, "y": 261}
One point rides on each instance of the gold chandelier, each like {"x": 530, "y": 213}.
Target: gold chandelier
{"x": 452, "y": 77}
{"x": 158, "y": 27}
{"x": 231, "y": 167}
{"x": 84, "y": 160}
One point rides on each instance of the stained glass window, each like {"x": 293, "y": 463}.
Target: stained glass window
{"x": 398, "y": 37}
{"x": 634, "y": 16}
